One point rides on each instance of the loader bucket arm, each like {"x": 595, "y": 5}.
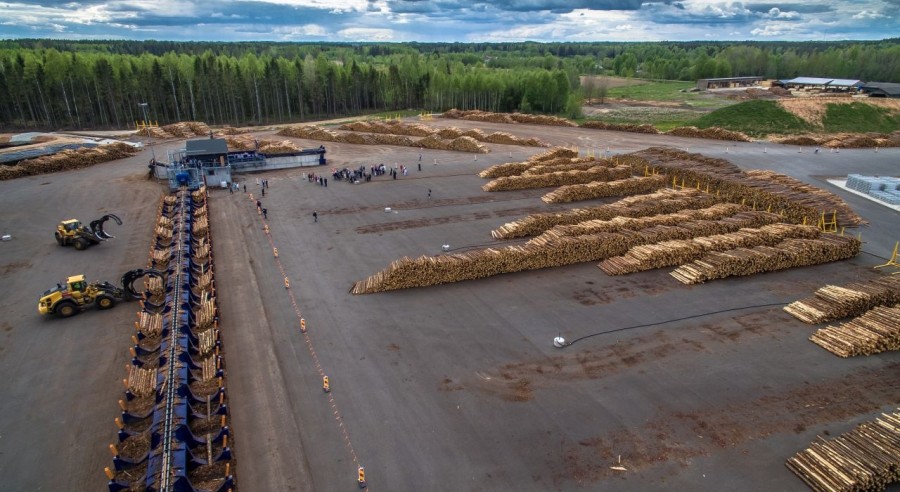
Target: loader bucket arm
{"x": 97, "y": 227}
{"x": 132, "y": 276}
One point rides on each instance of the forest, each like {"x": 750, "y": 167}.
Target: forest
{"x": 68, "y": 84}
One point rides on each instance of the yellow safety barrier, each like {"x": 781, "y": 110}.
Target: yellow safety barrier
{"x": 892, "y": 262}
{"x": 302, "y": 325}
{"x": 828, "y": 225}
{"x": 326, "y": 385}
{"x": 275, "y": 250}
{"x": 287, "y": 283}
{"x": 361, "y": 477}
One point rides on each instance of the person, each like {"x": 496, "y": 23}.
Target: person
{"x": 263, "y": 192}
{"x": 245, "y": 188}
{"x": 265, "y": 213}
{"x": 429, "y": 193}
{"x": 258, "y": 204}
{"x": 231, "y": 190}
{"x": 420, "y": 163}
{"x": 315, "y": 216}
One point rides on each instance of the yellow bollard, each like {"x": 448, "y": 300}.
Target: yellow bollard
{"x": 302, "y": 325}
{"x": 361, "y": 477}
{"x": 287, "y": 283}
{"x": 326, "y": 385}
{"x": 275, "y": 250}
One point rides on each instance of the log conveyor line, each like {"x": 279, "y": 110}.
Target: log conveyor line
{"x": 173, "y": 432}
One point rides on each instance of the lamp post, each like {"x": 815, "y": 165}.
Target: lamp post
{"x": 150, "y": 135}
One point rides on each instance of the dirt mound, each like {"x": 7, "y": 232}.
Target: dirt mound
{"x": 812, "y": 110}
{"x": 67, "y": 160}
{"x": 714, "y": 133}
{"x": 620, "y": 127}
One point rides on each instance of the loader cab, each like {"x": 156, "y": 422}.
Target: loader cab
{"x": 69, "y": 226}
{"x": 77, "y": 284}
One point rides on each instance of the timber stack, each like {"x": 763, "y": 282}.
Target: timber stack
{"x": 863, "y": 459}
{"x": 790, "y": 253}
{"x": 833, "y": 302}
{"x": 599, "y": 189}
{"x": 876, "y": 331}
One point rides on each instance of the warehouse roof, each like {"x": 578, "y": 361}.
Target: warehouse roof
{"x": 206, "y": 146}
{"x": 882, "y": 88}
{"x": 822, "y": 81}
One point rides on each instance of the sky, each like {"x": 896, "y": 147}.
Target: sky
{"x": 451, "y": 20}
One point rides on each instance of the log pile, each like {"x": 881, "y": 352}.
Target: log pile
{"x": 593, "y": 174}
{"x": 530, "y": 119}
{"x": 863, "y": 459}
{"x": 516, "y": 168}
{"x": 712, "y": 133}
{"x": 620, "y": 187}
{"x": 845, "y": 140}
{"x": 181, "y": 129}
{"x": 620, "y": 127}
{"x": 67, "y": 160}
{"x": 798, "y": 201}
{"x": 661, "y": 202}
{"x": 542, "y": 252}
{"x": 141, "y": 382}
{"x": 418, "y": 130}
{"x": 876, "y": 331}
{"x": 833, "y": 302}
{"x": 790, "y": 253}
{"x": 680, "y": 252}
{"x": 310, "y": 132}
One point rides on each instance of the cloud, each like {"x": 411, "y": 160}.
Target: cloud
{"x": 869, "y": 14}
{"x": 366, "y": 34}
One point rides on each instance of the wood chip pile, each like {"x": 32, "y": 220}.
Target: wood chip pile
{"x": 876, "y": 331}
{"x": 67, "y": 160}
{"x": 789, "y": 253}
{"x": 418, "y": 130}
{"x": 310, "y": 132}
{"x": 661, "y": 202}
{"x": 620, "y": 187}
{"x": 833, "y": 302}
{"x": 762, "y": 189}
{"x": 531, "y": 119}
{"x": 539, "y": 253}
{"x": 713, "y": 133}
{"x": 594, "y": 173}
{"x": 680, "y": 252}
{"x": 620, "y": 127}
{"x": 866, "y": 458}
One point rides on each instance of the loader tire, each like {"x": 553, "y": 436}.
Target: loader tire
{"x": 65, "y": 309}
{"x": 81, "y": 244}
{"x": 105, "y": 302}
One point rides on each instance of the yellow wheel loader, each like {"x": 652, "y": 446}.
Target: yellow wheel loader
{"x": 77, "y": 294}
{"x": 71, "y": 232}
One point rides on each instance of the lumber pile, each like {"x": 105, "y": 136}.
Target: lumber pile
{"x": 660, "y": 202}
{"x": 712, "y": 133}
{"x": 181, "y": 129}
{"x": 790, "y": 253}
{"x": 866, "y": 458}
{"x": 310, "y": 132}
{"x": 531, "y": 119}
{"x": 594, "y": 173}
{"x": 845, "y": 140}
{"x": 67, "y": 160}
{"x": 542, "y": 252}
{"x": 876, "y": 331}
{"x": 389, "y": 127}
{"x": 833, "y": 302}
{"x": 798, "y": 201}
{"x": 516, "y": 168}
{"x": 680, "y": 252}
{"x": 620, "y": 187}
{"x": 620, "y": 127}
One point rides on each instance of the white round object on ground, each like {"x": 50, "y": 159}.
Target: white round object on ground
{"x": 387, "y": 210}
{"x": 559, "y": 342}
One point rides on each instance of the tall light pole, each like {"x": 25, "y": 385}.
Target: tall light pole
{"x": 146, "y": 123}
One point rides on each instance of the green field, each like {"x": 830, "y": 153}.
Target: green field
{"x": 859, "y": 118}
{"x": 755, "y": 118}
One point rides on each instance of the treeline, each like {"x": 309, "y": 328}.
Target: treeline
{"x": 102, "y": 84}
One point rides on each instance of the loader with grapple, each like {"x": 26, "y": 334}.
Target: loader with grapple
{"x": 71, "y": 232}
{"x": 76, "y": 294}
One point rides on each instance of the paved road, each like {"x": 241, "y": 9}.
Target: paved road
{"x": 453, "y": 387}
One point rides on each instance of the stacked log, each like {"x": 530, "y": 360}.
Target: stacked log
{"x": 181, "y": 129}
{"x": 67, "y": 160}
{"x": 461, "y": 144}
{"x": 833, "y": 302}
{"x": 863, "y": 459}
{"x": 876, "y": 331}
{"x": 141, "y": 382}
{"x": 530, "y": 119}
{"x": 620, "y": 127}
{"x": 542, "y": 252}
{"x": 516, "y": 168}
{"x": 663, "y": 201}
{"x": 558, "y": 178}
{"x": 798, "y": 201}
{"x": 790, "y": 253}
{"x": 620, "y": 187}
{"x": 712, "y": 133}
{"x": 680, "y": 252}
